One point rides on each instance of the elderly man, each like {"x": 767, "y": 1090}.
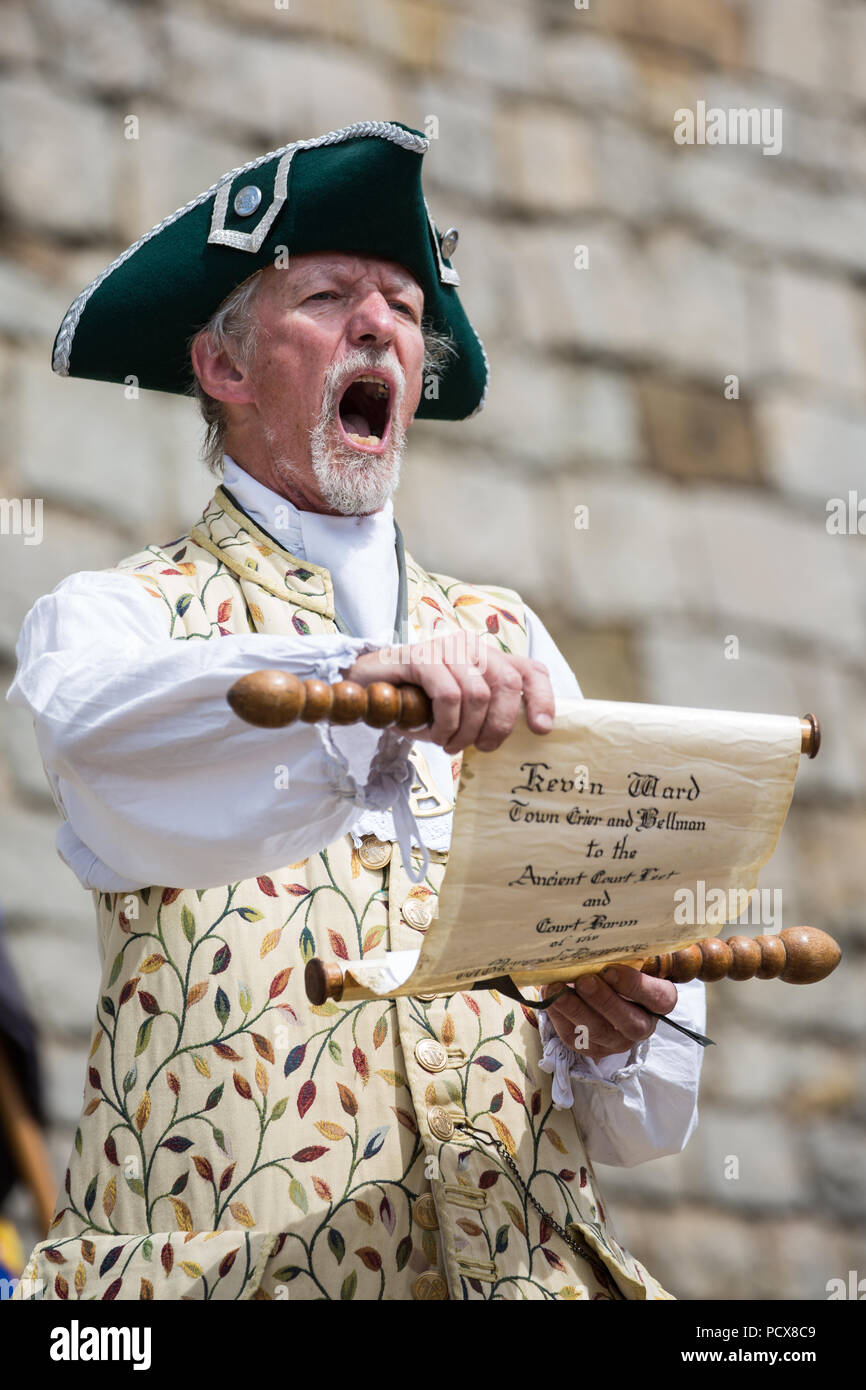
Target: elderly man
{"x": 237, "y": 1141}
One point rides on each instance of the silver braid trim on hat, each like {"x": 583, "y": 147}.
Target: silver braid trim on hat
{"x": 483, "y": 401}
{"x": 385, "y": 130}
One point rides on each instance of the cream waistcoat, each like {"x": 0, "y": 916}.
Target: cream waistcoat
{"x": 237, "y": 1142}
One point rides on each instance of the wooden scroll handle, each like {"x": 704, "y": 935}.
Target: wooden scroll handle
{"x": 272, "y": 699}
{"x": 798, "y": 955}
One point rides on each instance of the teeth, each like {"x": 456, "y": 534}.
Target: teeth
{"x": 364, "y": 438}
{"x": 381, "y": 386}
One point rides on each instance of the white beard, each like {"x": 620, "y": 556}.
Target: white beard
{"x": 352, "y": 483}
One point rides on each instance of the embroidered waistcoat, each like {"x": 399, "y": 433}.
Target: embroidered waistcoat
{"x": 238, "y": 1142}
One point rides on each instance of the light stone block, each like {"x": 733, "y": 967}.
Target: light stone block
{"x": 816, "y": 331}
{"x": 58, "y": 159}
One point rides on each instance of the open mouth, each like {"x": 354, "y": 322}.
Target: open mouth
{"x": 365, "y": 412}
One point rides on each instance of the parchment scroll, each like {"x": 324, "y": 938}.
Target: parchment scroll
{"x": 587, "y": 844}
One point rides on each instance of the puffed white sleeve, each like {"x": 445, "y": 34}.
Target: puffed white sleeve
{"x": 157, "y": 779}
{"x": 635, "y": 1105}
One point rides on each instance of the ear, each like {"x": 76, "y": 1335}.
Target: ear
{"x": 219, "y": 375}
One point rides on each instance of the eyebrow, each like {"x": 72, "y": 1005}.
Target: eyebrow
{"x": 308, "y": 274}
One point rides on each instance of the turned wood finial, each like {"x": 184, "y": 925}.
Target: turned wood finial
{"x": 272, "y": 699}
{"x": 798, "y": 955}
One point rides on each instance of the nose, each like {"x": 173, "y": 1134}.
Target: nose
{"x": 372, "y": 323}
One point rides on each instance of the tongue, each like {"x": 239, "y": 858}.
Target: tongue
{"x": 353, "y": 423}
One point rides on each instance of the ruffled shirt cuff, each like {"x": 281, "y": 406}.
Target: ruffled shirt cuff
{"x": 566, "y": 1065}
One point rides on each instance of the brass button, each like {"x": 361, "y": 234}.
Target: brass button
{"x": 424, "y": 1213}
{"x": 431, "y": 1055}
{"x": 374, "y": 853}
{"x": 430, "y": 1285}
{"x": 440, "y": 1122}
{"x": 417, "y": 913}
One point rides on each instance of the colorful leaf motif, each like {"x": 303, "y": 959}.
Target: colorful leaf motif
{"x": 394, "y": 1078}
{"x": 516, "y": 1216}
{"x": 242, "y": 1086}
{"x": 362, "y": 1066}
{"x": 322, "y": 1189}
{"x": 387, "y": 1215}
{"x": 310, "y": 1154}
{"x": 404, "y": 1250}
{"x": 242, "y": 1214}
{"x": 380, "y": 1032}
{"x": 148, "y": 1003}
{"x": 364, "y": 1210}
{"x": 112, "y": 1291}
{"x": 182, "y": 1214}
{"x": 349, "y": 1285}
{"x": 471, "y": 1004}
{"x": 329, "y": 1130}
{"x": 501, "y": 1240}
{"x": 191, "y": 1269}
{"x": 508, "y": 1024}
{"x": 447, "y": 1031}
{"x": 495, "y": 1103}
{"x": 226, "y": 1263}
{"x": 555, "y": 1140}
{"x": 109, "y": 1196}
{"x": 306, "y": 1096}
{"x": 370, "y": 1257}
{"x": 203, "y": 1167}
{"x": 298, "y": 1195}
{"x": 221, "y": 960}
{"x": 187, "y": 923}
{"x": 249, "y": 914}
{"x": 347, "y": 1099}
{"x": 295, "y": 1058}
{"x": 514, "y": 1091}
{"x": 553, "y": 1260}
{"x": 505, "y": 1135}
{"x": 267, "y": 886}
{"x": 488, "y": 1063}
{"x": 143, "y": 1036}
{"x": 405, "y": 1119}
{"x": 338, "y": 945}
{"x": 375, "y": 1141}
{"x": 336, "y": 1244}
{"x": 278, "y": 983}
{"x": 166, "y": 1256}
{"x": 142, "y": 1114}
{"x": 270, "y": 941}
{"x": 372, "y": 939}
{"x": 488, "y": 1179}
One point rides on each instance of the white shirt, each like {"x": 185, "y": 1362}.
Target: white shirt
{"x": 160, "y": 782}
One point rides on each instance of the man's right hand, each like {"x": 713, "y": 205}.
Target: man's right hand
{"x": 476, "y": 689}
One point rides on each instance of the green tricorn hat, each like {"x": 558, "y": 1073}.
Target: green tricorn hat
{"x": 354, "y": 190}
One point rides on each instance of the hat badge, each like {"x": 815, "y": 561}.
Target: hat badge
{"x": 449, "y": 242}
{"x": 247, "y": 199}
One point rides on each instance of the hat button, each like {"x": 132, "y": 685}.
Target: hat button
{"x": 247, "y": 200}
{"x": 449, "y": 242}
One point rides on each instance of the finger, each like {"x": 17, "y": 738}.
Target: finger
{"x": 597, "y": 1036}
{"x": 506, "y": 691}
{"x": 633, "y": 1022}
{"x": 660, "y": 996}
{"x": 474, "y": 704}
{"x": 537, "y": 694}
{"x": 445, "y": 695}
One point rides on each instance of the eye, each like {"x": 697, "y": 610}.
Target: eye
{"x": 406, "y": 308}
{"x": 323, "y": 294}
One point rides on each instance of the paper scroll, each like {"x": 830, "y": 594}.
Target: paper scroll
{"x": 607, "y": 838}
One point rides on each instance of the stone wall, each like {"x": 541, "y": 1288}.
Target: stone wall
{"x": 554, "y": 129}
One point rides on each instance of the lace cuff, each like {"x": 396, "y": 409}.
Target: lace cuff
{"x": 567, "y": 1065}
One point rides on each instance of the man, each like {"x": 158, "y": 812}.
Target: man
{"x": 236, "y": 1141}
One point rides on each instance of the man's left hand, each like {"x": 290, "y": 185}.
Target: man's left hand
{"x": 606, "y": 1006}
